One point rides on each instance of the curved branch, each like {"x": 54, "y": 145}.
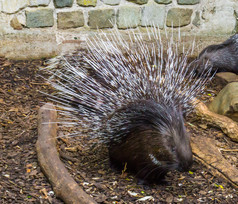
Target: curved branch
{"x": 227, "y": 125}
{"x": 63, "y": 184}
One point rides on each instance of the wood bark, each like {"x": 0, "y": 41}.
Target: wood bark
{"x": 207, "y": 153}
{"x": 227, "y": 125}
{"x": 205, "y": 150}
{"x": 63, "y": 184}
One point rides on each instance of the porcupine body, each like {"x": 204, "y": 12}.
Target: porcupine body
{"x": 222, "y": 57}
{"x": 129, "y": 96}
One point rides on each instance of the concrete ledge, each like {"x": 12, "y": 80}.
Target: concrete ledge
{"x": 32, "y": 45}
{"x": 45, "y": 44}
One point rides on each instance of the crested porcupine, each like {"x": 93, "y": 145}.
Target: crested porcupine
{"x": 221, "y": 57}
{"x": 131, "y": 96}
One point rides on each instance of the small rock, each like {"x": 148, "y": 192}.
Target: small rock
{"x": 226, "y": 77}
{"x": 15, "y": 24}
{"x": 226, "y": 102}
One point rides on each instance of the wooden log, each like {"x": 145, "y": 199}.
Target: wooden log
{"x": 205, "y": 151}
{"x": 227, "y": 125}
{"x": 63, "y": 184}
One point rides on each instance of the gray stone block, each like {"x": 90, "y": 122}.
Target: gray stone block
{"x": 139, "y": 1}
{"x": 163, "y": 1}
{"x": 111, "y": 2}
{"x": 153, "y": 15}
{"x": 42, "y": 17}
{"x": 63, "y": 3}
{"x": 128, "y": 17}
{"x": 87, "y": 3}
{"x": 71, "y": 19}
{"x": 178, "y": 17}
{"x": 101, "y": 18}
{"x": 188, "y": 2}
{"x": 39, "y": 2}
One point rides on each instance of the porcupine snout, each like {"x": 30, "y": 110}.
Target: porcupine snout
{"x": 184, "y": 153}
{"x": 179, "y": 142}
{"x": 186, "y": 161}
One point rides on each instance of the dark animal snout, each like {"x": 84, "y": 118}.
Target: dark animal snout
{"x": 185, "y": 166}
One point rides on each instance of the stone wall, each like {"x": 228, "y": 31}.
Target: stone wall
{"x": 66, "y": 14}
{"x": 51, "y": 17}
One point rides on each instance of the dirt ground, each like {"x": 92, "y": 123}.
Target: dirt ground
{"x": 22, "y": 181}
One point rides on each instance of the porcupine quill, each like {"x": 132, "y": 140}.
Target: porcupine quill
{"x": 131, "y": 95}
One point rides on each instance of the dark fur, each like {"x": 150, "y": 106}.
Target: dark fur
{"x": 222, "y": 57}
{"x": 147, "y": 128}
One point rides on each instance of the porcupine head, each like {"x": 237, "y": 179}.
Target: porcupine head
{"x": 221, "y": 57}
{"x": 132, "y": 99}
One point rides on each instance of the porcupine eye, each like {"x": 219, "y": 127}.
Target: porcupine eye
{"x": 171, "y": 145}
{"x": 173, "y": 149}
